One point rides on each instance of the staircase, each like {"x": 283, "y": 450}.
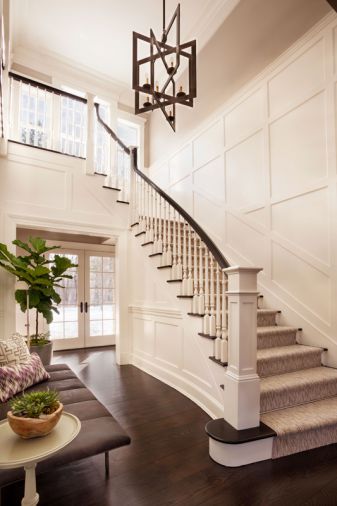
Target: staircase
{"x": 296, "y": 399}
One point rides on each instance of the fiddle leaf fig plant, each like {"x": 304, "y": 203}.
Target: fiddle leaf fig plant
{"x": 41, "y": 275}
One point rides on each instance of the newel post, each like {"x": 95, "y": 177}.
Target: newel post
{"x": 242, "y": 384}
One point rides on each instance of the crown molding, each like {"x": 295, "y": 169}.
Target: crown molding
{"x": 70, "y": 73}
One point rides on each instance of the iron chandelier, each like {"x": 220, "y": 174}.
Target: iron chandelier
{"x": 154, "y": 79}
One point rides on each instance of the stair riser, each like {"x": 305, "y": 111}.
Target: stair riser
{"x": 266, "y": 320}
{"x": 302, "y": 394}
{"x": 267, "y": 367}
{"x": 271, "y": 341}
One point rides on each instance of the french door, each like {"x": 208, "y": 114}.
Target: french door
{"x": 87, "y": 312}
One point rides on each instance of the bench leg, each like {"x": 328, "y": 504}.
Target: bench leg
{"x": 107, "y": 465}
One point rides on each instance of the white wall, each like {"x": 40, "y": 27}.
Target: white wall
{"x": 49, "y": 191}
{"x": 261, "y": 179}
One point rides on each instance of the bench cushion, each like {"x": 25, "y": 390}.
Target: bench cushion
{"x": 100, "y": 432}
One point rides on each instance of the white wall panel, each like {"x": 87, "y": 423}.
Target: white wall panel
{"x": 245, "y": 175}
{"x": 168, "y": 343}
{"x": 308, "y": 227}
{"x": 210, "y": 215}
{"x": 31, "y": 185}
{"x": 259, "y": 216}
{"x": 209, "y": 144}
{"x": 210, "y": 178}
{"x": 181, "y": 192}
{"x": 161, "y": 175}
{"x": 181, "y": 164}
{"x": 302, "y": 281}
{"x": 298, "y": 79}
{"x": 246, "y": 118}
{"x": 247, "y": 241}
{"x": 298, "y": 147}
{"x": 143, "y": 336}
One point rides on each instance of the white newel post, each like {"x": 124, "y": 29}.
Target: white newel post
{"x": 242, "y": 384}
{"x": 90, "y": 162}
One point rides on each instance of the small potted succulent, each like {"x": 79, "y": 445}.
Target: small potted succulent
{"x": 34, "y": 414}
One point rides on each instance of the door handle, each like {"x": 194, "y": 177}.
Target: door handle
{"x": 86, "y": 307}
{"x": 81, "y": 307}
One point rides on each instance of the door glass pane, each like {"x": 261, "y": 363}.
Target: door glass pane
{"x": 65, "y": 324}
{"x": 102, "y": 295}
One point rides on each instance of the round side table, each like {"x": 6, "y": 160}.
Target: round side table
{"x": 17, "y": 452}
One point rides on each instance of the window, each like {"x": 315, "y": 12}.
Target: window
{"x": 42, "y": 116}
{"x": 73, "y": 127}
{"x": 102, "y": 142}
{"x": 34, "y": 116}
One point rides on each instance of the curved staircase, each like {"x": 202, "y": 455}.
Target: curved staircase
{"x": 297, "y": 394}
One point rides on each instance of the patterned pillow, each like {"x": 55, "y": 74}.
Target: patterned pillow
{"x": 13, "y": 351}
{"x": 15, "y": 378}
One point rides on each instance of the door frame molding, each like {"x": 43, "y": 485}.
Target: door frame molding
{"x": 12, "y": 221}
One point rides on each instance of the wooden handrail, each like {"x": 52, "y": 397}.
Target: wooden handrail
{"x": 46, "y": 87}
{"x": 219, "y": 257}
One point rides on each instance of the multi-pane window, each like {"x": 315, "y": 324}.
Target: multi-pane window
{"x": 35, "y": 112}
{"x": 73, "y": 127}
{"x": 102, "y": 295}
{"x": 102, "y": 142}
{"x": 65, "y": 323}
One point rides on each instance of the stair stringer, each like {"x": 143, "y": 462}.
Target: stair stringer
{"x": 184, "y": 366}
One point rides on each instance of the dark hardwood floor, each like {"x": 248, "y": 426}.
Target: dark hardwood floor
{"x": 167, "y": 463}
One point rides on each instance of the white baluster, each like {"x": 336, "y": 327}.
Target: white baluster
{"x": 179, "y": 268}
{"x": 201, "y": 296}
{"x": 169, "y": 246}
{"x": 147, "y": 212}
{"x": 184, "y": 284}
{"x": 160, "y": 239}
{"x": 152, "y": 213}
{"x": 190, "y": 262}
{"x": 163, "y": 258}
{"x": 195, "y": 302}
{"x": 212, "y": 327}
{"x": 174, "y": 246}
{"x": 142, "y": 227}
{"x": 207, "y": 307}
{"x": 224, "y": 351}
{"x": 133, "y": 198}
{"x": 217, "y": 348}
{"x": 218, "y": 303}
{"x": 224, "y": 307}
{"x": 155, "y": 223}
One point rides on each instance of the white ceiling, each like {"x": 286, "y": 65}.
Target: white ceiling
{"x": 98, "y": 34}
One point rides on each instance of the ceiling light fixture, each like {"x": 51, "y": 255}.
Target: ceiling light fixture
{"x": 154, "y": 76}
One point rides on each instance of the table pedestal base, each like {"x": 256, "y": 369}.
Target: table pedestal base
{"x": 31, "y": 497}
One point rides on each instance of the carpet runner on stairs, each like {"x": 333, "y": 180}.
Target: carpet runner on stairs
{"x": 298, "y": 395}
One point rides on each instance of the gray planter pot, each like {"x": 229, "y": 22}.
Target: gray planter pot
{"x": 45, "y": 352}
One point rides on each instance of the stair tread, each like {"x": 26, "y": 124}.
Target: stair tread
{"x": 298, "y": 419}
{"x": 276, "y": 329}
{"x": 286, "y": 351}
{"x": 268, "y": 311}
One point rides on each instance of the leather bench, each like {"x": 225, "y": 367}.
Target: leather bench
{"x": 99, "y": 432}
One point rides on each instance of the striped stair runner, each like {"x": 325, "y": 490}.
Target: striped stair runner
{"x": 298, "y": 394}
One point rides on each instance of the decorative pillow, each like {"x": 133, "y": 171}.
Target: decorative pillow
{"x": 13, "y": 351}
{"x": 15, "y": 378}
